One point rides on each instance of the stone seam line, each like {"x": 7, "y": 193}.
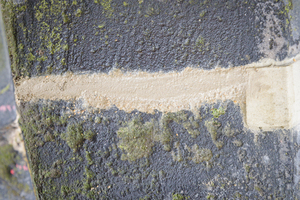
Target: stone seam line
{"x": 265, "y": 91}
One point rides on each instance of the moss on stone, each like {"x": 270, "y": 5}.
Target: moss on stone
{"x": 98, "y": 120}
{"x": 177, "y": 157}
{"x": 165, "y": 136}
{"x": 217, "y": 112}
{"x": 202, "y": 13}
{"x": 89, "y": 135}
{"x": 228, "y": 131}
{"x": 89, "y": 158}
{"x": 48, "y": 137}
{"x": 238, "y": 143}
{"x": 259, "y": 190}
{"x": 78, "y": 12}
{"x": 53, "y": 173}
{"x": 107, "y": 8}
{"x": 212, "y": 127}
{"x": 201, "y": 155}
{"x": 210, "y": 196}
{"x": 200, "y": 43}
{"x": 73, "y": 136}
{"x": 177, "y": 196}
{"x": 136, "y": 139}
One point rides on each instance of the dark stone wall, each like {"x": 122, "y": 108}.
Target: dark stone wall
{"x": 113, "y": 162}
{"x": 149, "y": 35}
{"x": 85, "y": 153}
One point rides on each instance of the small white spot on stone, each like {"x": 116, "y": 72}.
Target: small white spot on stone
{"x": 266, "y": 159}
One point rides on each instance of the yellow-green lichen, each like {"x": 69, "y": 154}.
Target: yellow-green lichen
{"x": 63, "y": 61}
{"x": 200, "y": 43}
{"x": 202, "y": 13}
{"x": 6, "y": 88}
{"x": 177, "y": 196}
{"x": 30, "y": 57}
{"x": 101, "y": 25}
{"x": 136, "y": 135}
{"x": 42, "y": 58}
{"x": 107, "y": 8}
{"x": 78, "y": 12}
{"x": 210, "y": 196}
{"x": 217, "y": 112}
{"x": 166, "y": 135}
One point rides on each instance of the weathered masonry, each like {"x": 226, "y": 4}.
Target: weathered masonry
{"x": 158, "y": 99}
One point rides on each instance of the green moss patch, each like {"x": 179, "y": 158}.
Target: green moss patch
{"x": 217, "y": 112}
{"x": 212, "y": 127}
{"x": 201, "y": 155}
{"x": 73, "y": 136}
{"x": 136, "y": 139}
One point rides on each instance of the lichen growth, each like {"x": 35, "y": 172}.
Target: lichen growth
{"x": 238, "y": 143}
{"x": 107, "y": 8}
{"x": 201, "y": 155}
{"x": 259, "y": 190}
{"x": 30, "y": 57}
{"x": 202, "y": 13}
{"x": 73, "y": 136}
{"x": 177, "y": 157}
{"x": 136, "y": 139}
{"x": 217, "y": 112}
{"x": 89, "y": 135}
{"x": 78, "y": 12}
{"x": 212, "y": 127}
{"x": 48, "y": 137}
{"x": 166, "y": 134}
{"x": 228, "y": 131}
{"x": 177, "y": 196}
{"x": 200, "y": 42}
{"x": 53, "y": 173}
{"x": 98, "y": 120}
{"x": 210, "y": 196}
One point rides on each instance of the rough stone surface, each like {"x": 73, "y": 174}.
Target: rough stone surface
{"x": 79, "y": 152}
{"x": 242, "y": 167}
{"x": 85, "y": 36}
{"x": 7, "y": 98}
